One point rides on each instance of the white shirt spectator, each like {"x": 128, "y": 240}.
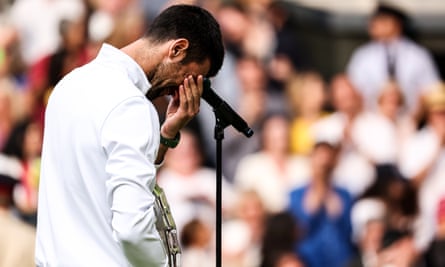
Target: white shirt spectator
{"x": 259, "y": 172}
{"x": 420, "y": 151}
{"x": 374, "y": 141}
{"x": 193, "y": 196}
{"x": 414, "y": 70}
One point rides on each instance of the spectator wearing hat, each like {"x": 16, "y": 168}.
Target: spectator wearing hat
{"x": 423, "y": 162}
{"x": 390, "y": 54}
{"x": 16, "y": 237}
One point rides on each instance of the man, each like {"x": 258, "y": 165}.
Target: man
{"x": 103, "y": 141}
{"x": 322, "y": 211}
{"x": 391, "y": 55}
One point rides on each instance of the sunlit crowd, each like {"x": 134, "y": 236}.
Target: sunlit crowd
{"x": 341, "y": 171}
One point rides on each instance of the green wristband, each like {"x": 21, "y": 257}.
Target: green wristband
{"x": 171, "y": 143}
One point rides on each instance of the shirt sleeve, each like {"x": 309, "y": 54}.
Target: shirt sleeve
{"x": 418, "y": 153}
{"x": 130, "y": 138}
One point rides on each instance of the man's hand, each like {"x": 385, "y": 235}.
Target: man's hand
{"x": 183, "y": 106}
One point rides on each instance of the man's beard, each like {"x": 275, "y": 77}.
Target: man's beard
{"x": 157, "y": 88}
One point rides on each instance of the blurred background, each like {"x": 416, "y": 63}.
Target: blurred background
{"x": 347, "y": 101}
{"x": 340, "y": 26}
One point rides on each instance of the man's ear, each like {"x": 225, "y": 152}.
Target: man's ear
{"x": 178, "y": 49}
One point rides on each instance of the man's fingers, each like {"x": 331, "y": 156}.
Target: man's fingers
{"x": 192, "y": 92}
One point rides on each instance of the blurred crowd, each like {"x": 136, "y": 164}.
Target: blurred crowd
{"x": 342, "y": 171}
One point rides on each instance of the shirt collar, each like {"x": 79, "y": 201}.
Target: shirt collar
{"x": 115, "y": 56}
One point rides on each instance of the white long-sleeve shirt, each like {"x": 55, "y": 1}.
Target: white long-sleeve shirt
{"x": 100, "y": 144}
{"x": 415, "y": 70}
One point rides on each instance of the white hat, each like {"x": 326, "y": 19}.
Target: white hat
{"x": 364, "y": 211}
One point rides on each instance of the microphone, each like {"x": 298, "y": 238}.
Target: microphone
{"x": 223, "y": 110}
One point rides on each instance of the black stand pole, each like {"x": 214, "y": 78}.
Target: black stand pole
{"x": 219, "y": 136}
{"x": 225, "y": 116}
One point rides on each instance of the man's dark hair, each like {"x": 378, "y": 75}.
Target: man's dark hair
{"x": 196, "y": 25}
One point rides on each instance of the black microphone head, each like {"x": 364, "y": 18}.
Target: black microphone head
{"x": 248, "y": 132}
{"x": 206, "y": 83}
{"x": 223, "y": 111}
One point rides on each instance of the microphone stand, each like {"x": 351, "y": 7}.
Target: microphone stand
{"x": 220, "y": 125}
{"x": 224, "y": 116}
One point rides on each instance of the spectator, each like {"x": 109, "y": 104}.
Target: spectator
{"x": 423, "y": 163}
{"x": 100, "y": 27}
{"x": 246, "y": 30}
{"x": 252, "y": 104}
{"x": 350, "y": 126}
{"x": 306, "y": 97}
{"x": 322, "y": 210}
{"x": 12, "y": 66}
{"x": 390, "y": 107}
{"x": 272, "y": 171}
{"x": 12, "y": 99}
{"x": 25, "y": 144}
{"x": 289, "y": 55}
{"x": 227, "y": 85}
{"x": 260, "y": 39}
{"x": 243, "y": 231}
{"x": 288, "y": 42}
{"x": 16, "y": 238}
{"x": 196, "y": 237}
{"x": 385, "y": 219}
{"x": 183, "y": 168}
{"x": 280, "y": 235}
{"x": 130, "y": 17}
{"x": 391, "y": 55}
{"x": 368, "y": 226}
{"x": 234, "y": 23}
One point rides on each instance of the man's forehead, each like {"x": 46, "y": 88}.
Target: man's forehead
{"x": 199, "y": 68}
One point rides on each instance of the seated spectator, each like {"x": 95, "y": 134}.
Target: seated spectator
{"x": 17, "y": 238}
{"x": 25, "y": 144}
{"x": 290, "y": 55}
{"x": 12, "y": 65}
{"x": 197, "y": 249}
{"x": 243, "y": 231}
{"x": 391, "y": 108}
{"x": 423, "y": 162}
{"x": 385, "y": 219}
{"x": 365, "y": 138}
{"x": 183, "y": 169}
{"x": 391, "y": 54}
{"x": 272, "y": 171}
{"x": 13, "y": 101}
{"x": 322, "y": 210}
{"x": 253, "y": 104}
{"x": 306, "y": 97}
{"x": 280, "y": 235}
{"x": 368, "y": 226}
